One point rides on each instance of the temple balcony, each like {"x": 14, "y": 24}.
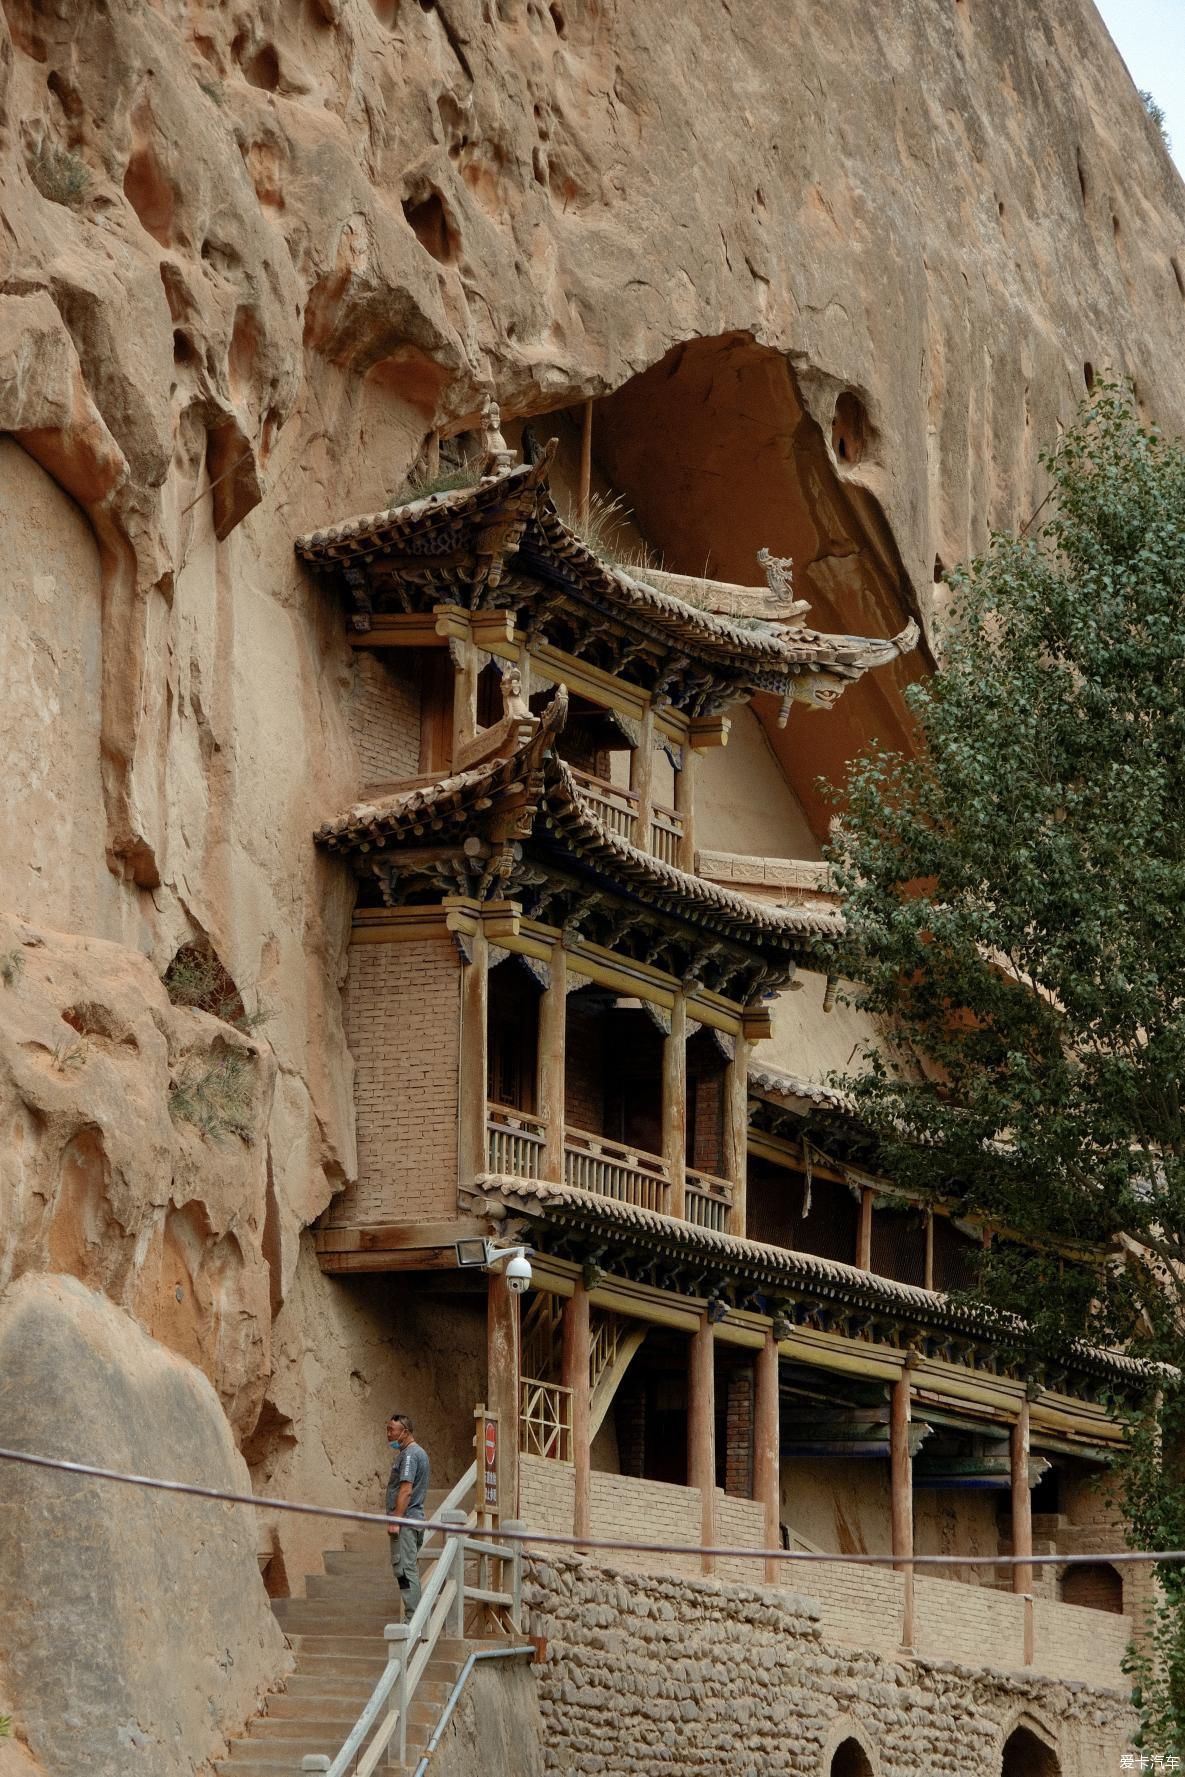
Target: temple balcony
{"x": 517, "y": 1142}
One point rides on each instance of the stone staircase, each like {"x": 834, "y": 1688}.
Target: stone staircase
{"x": 336, "y": 1635}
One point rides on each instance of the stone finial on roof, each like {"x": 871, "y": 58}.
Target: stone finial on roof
{"x": 779, "y": 577}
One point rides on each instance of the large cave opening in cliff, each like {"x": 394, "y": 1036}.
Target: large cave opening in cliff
{"x": 712, "y": 454}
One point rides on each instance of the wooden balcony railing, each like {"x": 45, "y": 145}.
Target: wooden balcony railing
{"x": 591, "y": 1163}
{"x": 666, "y": 834}
{"x": 616, "y": 808}
{"x": 545, "y": 1419}
{"x": 708, "y": 1200}
{"x": 514, "y": 1142}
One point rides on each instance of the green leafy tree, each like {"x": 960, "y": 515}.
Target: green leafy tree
{"x": 1015, "y": 902}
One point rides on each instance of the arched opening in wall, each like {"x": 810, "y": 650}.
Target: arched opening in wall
{"x": 1088, "y": 375}
{"x": 1027, "y": 1756}
{"x": 1095, "y": 1585}
{"x": 850, "y": 1760}
{"x": 714, "y": 455}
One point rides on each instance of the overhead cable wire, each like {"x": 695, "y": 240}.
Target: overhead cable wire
{"x": 567, "y": 1540}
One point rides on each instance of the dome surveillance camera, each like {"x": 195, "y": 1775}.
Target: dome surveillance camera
{"x": 518, "y": 1273}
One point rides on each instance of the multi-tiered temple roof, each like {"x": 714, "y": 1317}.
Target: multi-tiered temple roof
{"x": 503, "y": 545}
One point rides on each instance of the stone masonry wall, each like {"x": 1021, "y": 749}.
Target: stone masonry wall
{"x": 384, "y": 716}
{"x": 403, "y": 1025}
{"x": 697, "y": 1677}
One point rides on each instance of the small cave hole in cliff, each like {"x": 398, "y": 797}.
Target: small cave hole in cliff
{"x": 430, "y": 224}
{"x": 849, "y": 428}
{"x": 183, "y": 352}
{"x": 1088, "y": 374}
{"x": 263, "y": 70}
{"x": 385, "y": 11}
{"x": 150, "y": 192}
{"x": 557, "y": 19}
{"x": 197, "y": 979}
{"x": 939, "y": 570}
{"x": 1082, "y": 185}
{"x": 1179, "y": 275}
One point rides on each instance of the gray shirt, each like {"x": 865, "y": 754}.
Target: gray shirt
{"x": 409, "y": 1465}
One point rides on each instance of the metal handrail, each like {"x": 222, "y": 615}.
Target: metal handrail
{"x": 411, "y": 1645}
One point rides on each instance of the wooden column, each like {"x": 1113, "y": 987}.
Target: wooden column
{"x": 901, "y": 1467}
{"x": 472, "y": 1085}
{"x": 685, "y": 808}
{"x": 503, "y": 1358}
{"x": 1022, "y": 1504}
{"x": 576, "y": 1376}
{"x": 585, "y": 494}
{"x": 767, "y": 1466}
{"x": 466, "y": 668}
{"x": 642, "y": 779}
{"x": 553, "y": 1020}
{"x": 736, "y": 1132}
{"x": 864, "y": 1234}
{"x": 701, "y": 1430}
{"x": 674, "y": 1106}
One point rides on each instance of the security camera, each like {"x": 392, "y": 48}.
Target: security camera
{"x": 518, "y": 1273}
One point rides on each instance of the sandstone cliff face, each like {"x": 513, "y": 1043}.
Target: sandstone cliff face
{"x": 251, "y": 255}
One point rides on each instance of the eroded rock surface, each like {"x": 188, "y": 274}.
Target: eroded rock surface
{"x": 179, "y": 1641}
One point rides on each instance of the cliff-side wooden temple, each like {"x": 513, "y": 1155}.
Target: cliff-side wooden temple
{"x": 739, "y": 1332}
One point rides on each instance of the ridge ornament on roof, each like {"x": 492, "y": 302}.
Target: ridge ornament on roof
{"x": 503, "y": 545}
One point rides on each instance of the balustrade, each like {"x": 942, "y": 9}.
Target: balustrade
{"x": 617, "y": 809}
{"x": 666, "y": 834}
{"x": 514, "y": 1142}
{"x": 545, "y": 1419}
{"x": 708, "y": 1200}
{"x": 591, "y": 1163}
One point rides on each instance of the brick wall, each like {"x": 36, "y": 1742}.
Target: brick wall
{"x": 740, "y": 1523}
{"x": 696, "y": 1677}
{"x": 402, "y": 1021}
{"x": 584, "y": 1067}
{"x": 738, "y": 1434}
{"x": 384, "y": 717}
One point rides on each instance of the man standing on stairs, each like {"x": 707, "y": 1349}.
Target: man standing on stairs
{"x": 407, "y": 1489}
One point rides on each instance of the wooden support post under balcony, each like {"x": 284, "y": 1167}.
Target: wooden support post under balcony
{"x": 685, "y": 809}
{"x": 1022, "y": 1504}
{"x": 471, "y": 1121}
{"x": 901, "y": 1481}
{"x": 466, "y": 668}
{"x": 642, "y": 780}
{"x": 503, "y": 1363}
{"x": 553, "y": 1016}
{"x": 767, "y": 1448}
{"x": 577, "y": 1377}
{"x": 864, "y": 1236}
{"x": 701, "y": 1430}
{"x": 674, "y": 1107}
{"x": 736, "y": 1133}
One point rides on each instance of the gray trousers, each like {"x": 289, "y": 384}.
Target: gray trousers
{"x": 405, "y": 1564}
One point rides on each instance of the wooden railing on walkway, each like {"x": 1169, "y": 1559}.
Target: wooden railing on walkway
{"x": 708, "y": 1200}
{"x": 514, "y": 1142}
{"x": 609, "y": 1169}
{"x": 666, "y": 834}
{"x": 545, "y": 1419}
{"x": 617, "y": 809}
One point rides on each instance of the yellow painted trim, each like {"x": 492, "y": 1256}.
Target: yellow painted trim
{"x": 398, "y": 629}
{"x": 398, "y": 925}
{"x": 731, "y": 1332}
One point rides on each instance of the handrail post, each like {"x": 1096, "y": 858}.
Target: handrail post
{"x": 398, "y": 1639}
{"x": 516, "y": 1574}
{"x": 455, "y": 1552}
